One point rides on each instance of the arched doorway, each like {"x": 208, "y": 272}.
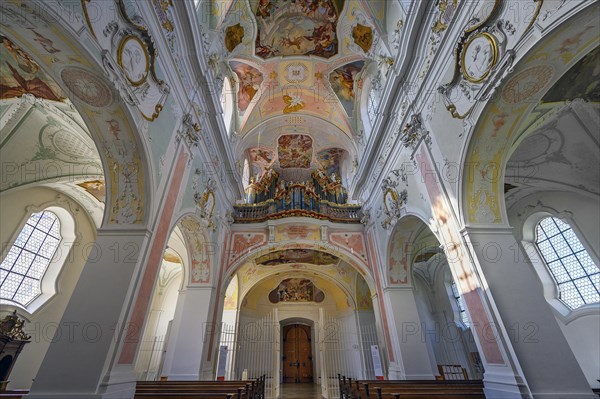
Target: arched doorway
{"x": 297, "y": 353}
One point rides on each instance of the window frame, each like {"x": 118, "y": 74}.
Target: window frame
{"x": 459, "y": 302}
{"x": 49, "y": 282}
{"x": 536, "y": 259}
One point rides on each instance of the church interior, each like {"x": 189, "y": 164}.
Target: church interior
{"x": 300, "y": 199}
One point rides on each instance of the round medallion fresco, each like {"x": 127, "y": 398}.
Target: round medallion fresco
{"x": 479, "y": 57}
{"x": 527, "y": 83}
{"x": 87, "y": 87}
{"x": 133, "y": 58}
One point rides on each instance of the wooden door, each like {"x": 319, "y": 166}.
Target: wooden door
{"x": 297, "y": 354}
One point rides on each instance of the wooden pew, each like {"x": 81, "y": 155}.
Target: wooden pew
{"x": 410, "y": 389}
{"x": 254, "y": 389}
{"x": 13, "y": 393}
{"x": 187, "y": 395}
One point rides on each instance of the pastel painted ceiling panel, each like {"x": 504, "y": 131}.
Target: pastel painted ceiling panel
{"x": 297, "y": 256}
{"x": 330, "y": 160}
{"x": 294, "y": 151}
{"x": 250, "y": 80}
{"x": 20, "y": 74}
{"x": 342, "y": 83}
{"x": 297, "y": 27}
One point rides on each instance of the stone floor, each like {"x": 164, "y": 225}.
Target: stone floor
{"x": 300, "y": 391}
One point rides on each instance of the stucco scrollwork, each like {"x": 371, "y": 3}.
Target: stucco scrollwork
{"x": 129, "y": 56}
{"x": 393, "y": 201}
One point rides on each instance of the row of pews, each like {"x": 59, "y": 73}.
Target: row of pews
{"x": 13, "y": 394}
{"x": 410, "y": 389}
{"x": 252, "y": 389}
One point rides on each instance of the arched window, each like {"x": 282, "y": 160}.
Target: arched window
{"x": 227, "y": 104}
{"x": 246, "y": 173}
{"x": 372, "y": 104}
{"x": 464, "y": 318}
{"x": 28, "y": 259}
{"x": 574, "y": 271}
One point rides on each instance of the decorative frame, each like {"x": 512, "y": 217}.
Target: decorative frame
{"x": 493, "y": 46}
{"x": 120, "y": 50}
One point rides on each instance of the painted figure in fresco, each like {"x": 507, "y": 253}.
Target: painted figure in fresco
{"x": 323, "y": 38}
{"x": 46, "y": 43}
{"x": 296, "y": 27}
{"x": 342, "y": 82}
{"x": 265, "y": 8}
{"x": 249, "y": 79}
{"x": 24, "y": 77}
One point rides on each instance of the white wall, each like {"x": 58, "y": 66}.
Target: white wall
{"x": 43, "y": 324}
{"x": 581, "y": 333}
{"x": 448, "y": 341}
{"x": 161, "y": 313}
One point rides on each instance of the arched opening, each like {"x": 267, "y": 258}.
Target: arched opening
{"x": 297, "y": 316}
{"x": 90, "y": 131}
{"x": 150, "y": 357}
{"x": 551, "y": 192}
{"x": 418, "y": 261}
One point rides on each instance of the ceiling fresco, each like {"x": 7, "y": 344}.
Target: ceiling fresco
{"x": 260, "y": 159}
{"x": 294, "y": 151}
{"x": 249, "y": 79}
{"x": 20, "y": 74}
{"x": 296, "y": 27}
{"x": 342, "y": 82}
{"x": 570, "y": 86}
{"x": 296, "y": 290}
{"x": 296, "y": 256}
{"x": 330, "y": 160}
{"x": 96, "y": 188}
{"x": 300, "y": 66}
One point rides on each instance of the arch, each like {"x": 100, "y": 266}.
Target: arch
{"x": 500, "y": 121}
{"x": 279, "y": 124}
{"x": 199, "y": 249}
{"x": 403, "y": 247}
{"x": 162, "y": 305}
{"x": 109, "y": 119}
{"x": 296, "y": 320}
{"x": 352, "y": 259}
{"x": 307, "y": 272}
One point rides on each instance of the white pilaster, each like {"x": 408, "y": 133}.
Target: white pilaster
{"x": 189, "y": 335}
{"x": 411, "y": 338}
{"x": 86, "y": 342}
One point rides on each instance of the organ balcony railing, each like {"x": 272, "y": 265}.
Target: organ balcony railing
{"x": 320, "y": 197}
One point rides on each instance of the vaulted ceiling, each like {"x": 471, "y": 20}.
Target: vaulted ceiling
{"x": 43, "y": 139}
{"x": 297, "y": 69}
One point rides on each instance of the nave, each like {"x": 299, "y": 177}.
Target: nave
{"x": 213, "y": 192}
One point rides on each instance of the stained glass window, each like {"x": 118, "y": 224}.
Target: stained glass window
{"x": 575, "y": 273}
{"x": 28, "y": 258}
